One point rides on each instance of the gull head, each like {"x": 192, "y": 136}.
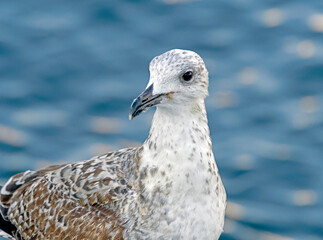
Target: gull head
{"x": 177, "y": 78}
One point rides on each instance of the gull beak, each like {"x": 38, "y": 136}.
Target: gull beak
{"x": 144, "y": 101}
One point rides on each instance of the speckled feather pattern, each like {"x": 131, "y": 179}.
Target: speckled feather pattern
{"x": 169, "y": 188}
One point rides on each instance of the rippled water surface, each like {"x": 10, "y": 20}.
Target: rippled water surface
{"x": 70, "y": 69}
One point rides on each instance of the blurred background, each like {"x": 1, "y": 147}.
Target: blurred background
{"x": 69, "y": 71}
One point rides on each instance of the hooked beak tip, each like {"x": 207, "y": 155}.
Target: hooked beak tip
{"x": 144, "y": 101}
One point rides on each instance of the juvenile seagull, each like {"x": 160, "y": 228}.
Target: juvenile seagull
{"x": 169, "y": 188}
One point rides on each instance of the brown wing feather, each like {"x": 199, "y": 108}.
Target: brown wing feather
{"x": 52, "y": 215}
{"x": 73, "y": 201}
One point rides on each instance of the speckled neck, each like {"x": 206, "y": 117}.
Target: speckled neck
{"x": 179, "y": 177}
{"x": 179, "y": 128}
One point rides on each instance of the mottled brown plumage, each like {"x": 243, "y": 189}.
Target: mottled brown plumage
{"x": 72, "y": 201}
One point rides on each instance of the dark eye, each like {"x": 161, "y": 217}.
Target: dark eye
{"x": 187, "y": 76}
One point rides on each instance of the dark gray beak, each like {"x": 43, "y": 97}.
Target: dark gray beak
{"x": 144, "y": 101}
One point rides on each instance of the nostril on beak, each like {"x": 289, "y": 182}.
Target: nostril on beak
{"x": 144, "y": 100}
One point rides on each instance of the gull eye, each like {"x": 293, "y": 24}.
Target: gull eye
{"x": 187, "y": 76}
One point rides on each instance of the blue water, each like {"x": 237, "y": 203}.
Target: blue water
{"x": 70, "y": 69}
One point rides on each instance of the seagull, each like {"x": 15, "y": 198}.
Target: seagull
{"x": 168, "y": 188}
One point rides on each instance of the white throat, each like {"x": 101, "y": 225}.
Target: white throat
{"x": 179, "y": 175}
{"x": 180, "y": 128}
